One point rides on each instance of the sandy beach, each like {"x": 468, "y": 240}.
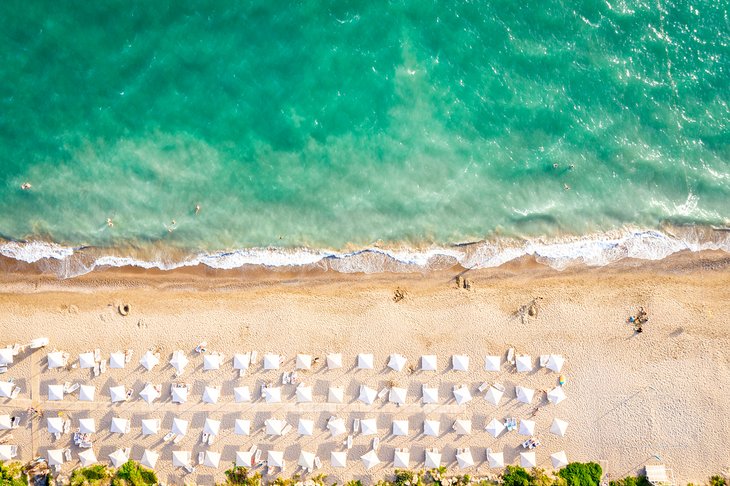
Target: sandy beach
{"x": 662, "y": 396}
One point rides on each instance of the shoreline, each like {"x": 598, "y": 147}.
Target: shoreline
{"x": 559, "y": 253}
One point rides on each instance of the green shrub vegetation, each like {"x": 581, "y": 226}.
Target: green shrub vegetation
{"x": 717, "y": 481}
{"x": 239, "y": 475}
{"x": 96, "y": 475}
{"x": 133, "y": 474}
{"x": 11, "y": 474}
{"x": 582, "y": 474}
{"x": 515, "y": 476}
{"x": 631, "y": 481}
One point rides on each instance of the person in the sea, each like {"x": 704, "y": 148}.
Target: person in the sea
{"x": 109, "y": 222}
{"x": 25, "y": 186}
{"x": 197, "y": 209}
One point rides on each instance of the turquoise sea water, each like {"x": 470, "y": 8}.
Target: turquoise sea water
{"x": 341, "y": 125}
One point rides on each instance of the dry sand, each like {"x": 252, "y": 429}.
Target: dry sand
{"x": 664, "y": 392}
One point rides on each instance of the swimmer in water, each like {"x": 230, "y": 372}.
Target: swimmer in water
{"x": 197, "y": 209}
{"x": 25, "y": 186}
{"x": 109, "y": 222}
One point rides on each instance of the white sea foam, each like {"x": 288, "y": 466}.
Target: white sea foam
{"x": 559, "y": 254}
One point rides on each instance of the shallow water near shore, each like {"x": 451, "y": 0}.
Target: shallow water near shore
{"x": 375, "y": 138}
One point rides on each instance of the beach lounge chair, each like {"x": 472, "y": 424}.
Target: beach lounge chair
{"x": 168, "y": 436}
{"x": 67, "y": 454}
{"x": 201, "y": 457}
{"x": 15, "y": 392}
{"x": 659, "y": 475}
{"x": 356, "y": 426}
{"x": 376, "y": 443}
{"x": 287, "y": 428}
{"x": 511, "y": 355}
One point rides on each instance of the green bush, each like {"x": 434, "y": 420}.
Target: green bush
{"x": 631, "y": 481}
{"x": 515, "y": 476}
{"x": 132, "y": 474}
{"x": 582, "y": 474}
{"x": 403, "y": 477}
{"x": 95, "y": 475}
{"x": 11, "y": 474}
{"x": 239, "y": 475}
{"x": 717, "y": 481}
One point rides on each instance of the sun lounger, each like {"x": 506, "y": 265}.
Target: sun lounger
{"x": 356, "y": 426}
{"x": 38, "y": 343}
{"x": 349, "y": 442}
{"x": 177, "y": 439}
{"x": 659, "y": 475}
{"x": 211, "y": 439}
{"x": 376, "y": 443}
{"x": 382, "y": 393}
{"x": 13, "y": 451}
{"x": 168, "y": 436}
{"x": 257, "y": 455}
{"x": 15, "y": 422}
{"x": 97, "y": 369}
{"x": 544, "y": 360}
{"x": 201, "y": 457}
{"x": 287, "y": 428}
{"x": 3, "y": 369}
{"x": 511, "y": 355}
{"x": 128, "y": 355}
{"x": 97, "y": 355}
{"x": 67, "y": 426}
{"x": 483, "y": 387}
{"x": 317, "y": 462}
{"x": 206, "y": 436}
{"x": 67, "y": 454}
{"x": 15, "y": 392}
{"x": 72, "y": 388}
{"x": 102, "y": 367}
{"x": 254, "y": 356}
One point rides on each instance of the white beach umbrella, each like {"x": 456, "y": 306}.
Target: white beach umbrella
{"x": 430, "y": 394}
{"x": 181, "y": 458}
{"x": 86, "y": 360}
{"x": 338, "y": 459}
{"x": 6, "y": 356}
{"x": 86, "y": 393}
{"x": 87, "y": 457}
{"x": 55, "y": 425}
{"x": 119, "y": 425}
{"x": 559, "y": 427}
{"x": 431, "y": 427}
{"x": 149, "y": 360}
{"x": 365, "y": 361}
{"x": 118, "y": 393}
{"x": 465, "y": 459}
{"x": 87, "y": 425}
{"x": 274, "y": 426}
{"x": 462, "y": 394}
{"x": 305, "y": 427}
{"x": 212, "y": 459}
{"x": 460, "y": 362}
{"x": 56, "y": 360}
{"x": 433, "y": 459}
{"x": 397, "y": 395}
{"x": 304, "y": 393}
{"x": 524, "y": 363}
{"x": 368, "y": 426}
{"x": 179, "y": 394}
{"x": 119, "y": 457}
{"x": 397, "y": 362}
{"x": 556, "y": 395}
{"x": 306, "y": 459}
{"x": 242, "y": 427}
{"x": 179, "y": 426}
{"x": 334, "y": 361}
{"x": 401, "y": 459}
{"x": 55, "y": 457}
{"x": 149, "y": 393}
{"x": 367, "y": 395}
{"x": 495, "y": 427}
{"x": 555, "y": 363}
{"x": 336, "y": 427}
{"x": 150, "y": 426}
{"x": 462, "y": 426}
{"x": 524, "y": 395}
{"x": 6, "y": 389}
{"x": 244, "y": 459}
{"x": 212, "y": 361}
{"x": 242, "y": 394}
{"x": 493, "y": 395}
{"x": 7, "y": 454}
{"x": 211, "y": 426}
{"x": 495, "y": 459}
{"x": 149, "y": 458}
{"x": 428, "y": 362}
{"x": 559, "y": 459}
{"x": 303, "y": 362}
{"x": 370, "y": 459}
{"x": 5, "y": 422}
{"x": 527, "y": 459}
{"x": 527, "y": 427}
{"x": 400, "y": 427}
{"x": 492, "y": 363}
{"x": 241, "y": 361}
{"x": 179, "y": 361}
{"x": 116, "y": 360}
{"x": 272, "y": 361}
{"x": 275, "y": 459}
{"x": 336, "y": 394}
{"x": 272, "y": 394}
{"x": 55, "y": 392}
{"x": 211, "y": 394}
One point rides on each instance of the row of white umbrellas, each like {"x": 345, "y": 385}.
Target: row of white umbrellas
{"x": 338, "y": 459}
{"x": 271, "y": 361}
{"x": 277, "y": 427}
{"x": 303, "y": 394}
